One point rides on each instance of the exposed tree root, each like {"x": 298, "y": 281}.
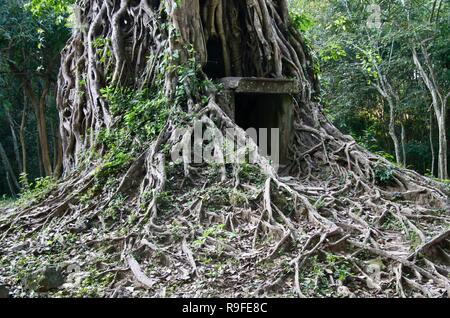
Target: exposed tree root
{"x": 388, "y": 248}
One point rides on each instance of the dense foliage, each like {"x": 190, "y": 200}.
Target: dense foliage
{"x": 357, "y": 55}
{"x": 31, "y": 37}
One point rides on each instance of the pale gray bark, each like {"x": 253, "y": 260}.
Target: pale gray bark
{"x": 439, "y": 103}
{"x": 385, "y": 90}
{"x": 403, "y": 139}
{"x": 9, "y": 170}
{"x": 433, "y": 155}
{"x": 14, "y": 140}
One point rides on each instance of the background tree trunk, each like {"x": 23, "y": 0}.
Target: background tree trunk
{"x": 385, "y": 90}
{"x": 57, "y": 152}
{"x": 39, "y": 105}
{"x": 14, "y": 139}
{"x": 439, "y": 107}
{"x": 403, "y": 138}
{"x": 22, "y": 139}
{"x": 14, "y": 184}
{"x": 433, "y": 158}
{"x": 42, "y": 130}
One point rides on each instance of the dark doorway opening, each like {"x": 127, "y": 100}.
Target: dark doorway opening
{"x": 214, "y": 67}
{"x": 266, "y": 111}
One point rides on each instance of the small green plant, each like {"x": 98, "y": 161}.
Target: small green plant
{"x": 102, "y": 47}
{"x": 164, "y": 200}
{"x": 217, "y": 197}
{"x": 313, "y": 277}
{"x": 6, "y": 202}
{"x": 114, "y": 208}
{"x": 287, "y": 267}
{"x": 132, "y": 218}
{"x": 142, "y": 113}
{"x": 176, "y": 230}
{"x": 386, "y": 156}
{"x": 94, "y": 284}
{"x": 283, "y": 201}
{"x": 251, "y": 173}
{"x": 414, "y": 239}
{"x": 112, "y": 165}
{"x": 238, "y": 198}
{"x": 87, "y": 196}
{"x": 23, "y": 181}
{"x": 391, "y": 223}
{"x": 36, "y": 190}
{"x": 214, "y": 270}
{"x": 341, "y": 268}
{"x": 213, "y": 231}
{"x": 319, "y": 204}
{"x": 384, "y": 174}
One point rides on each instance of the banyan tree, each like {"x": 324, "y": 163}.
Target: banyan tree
{"x": 333, "y": 220}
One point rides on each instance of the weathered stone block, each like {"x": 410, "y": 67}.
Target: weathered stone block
{"x": 262, "y": 103}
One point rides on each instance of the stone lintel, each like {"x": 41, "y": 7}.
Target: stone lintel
{"x": 259, "y": 85}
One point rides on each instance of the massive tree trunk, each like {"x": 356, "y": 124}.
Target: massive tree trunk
{"x": 254, "y": 37}
{"x": 334, "y": 199}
